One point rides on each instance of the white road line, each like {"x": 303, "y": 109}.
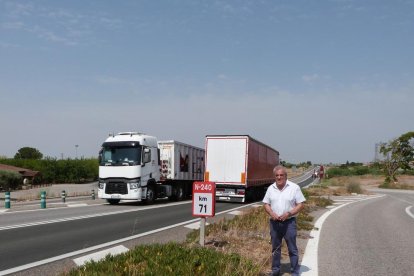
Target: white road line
{"x": 344, "y": 200}
{"x": 236, "y": 213}
{"x": 195, "y": 225}
{"x": 407, "y": 210}
{"x": 97, "y": 256}
{"x": 309, "y": 264}
{"x": 77, "y": 205}
{"x": 99, "y": 246}
{"x": 82, "y": 217}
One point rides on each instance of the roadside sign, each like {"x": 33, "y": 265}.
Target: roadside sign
{"x": 204, "y": 199}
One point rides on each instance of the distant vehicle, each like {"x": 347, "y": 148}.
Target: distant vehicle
{"x": 241, "y": 166}
{"x": 135, "y": 166}
{"x": 321, "y": 172}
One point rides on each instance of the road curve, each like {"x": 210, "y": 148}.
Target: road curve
{"x": 372, "y": 237}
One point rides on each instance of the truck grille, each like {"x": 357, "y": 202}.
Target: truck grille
{"x": 116, "y": 188}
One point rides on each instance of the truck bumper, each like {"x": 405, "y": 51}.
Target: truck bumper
{"x": 133, "y": 194}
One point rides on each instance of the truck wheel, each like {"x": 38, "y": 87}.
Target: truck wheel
{"x": 150, "y": 196}
{"x": 178, "y": 193}
{"x": 113, "y": 201}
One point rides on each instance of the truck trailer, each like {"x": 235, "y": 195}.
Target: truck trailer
{"x": 241, "y": 167}
{"x": 135, "y": 166}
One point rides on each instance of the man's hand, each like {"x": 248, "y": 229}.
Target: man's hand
{"x": 285, "y": 216}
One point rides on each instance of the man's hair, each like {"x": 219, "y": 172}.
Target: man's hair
{"x": 278, "y": 168}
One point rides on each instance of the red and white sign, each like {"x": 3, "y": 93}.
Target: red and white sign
{"x": 204, "y": 199}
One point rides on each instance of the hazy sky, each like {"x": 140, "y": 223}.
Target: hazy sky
{"x": 317, "y": 80}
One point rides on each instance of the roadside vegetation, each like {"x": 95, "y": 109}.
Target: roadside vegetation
{"x": 239, "y": 246}
{"x": 54, "y": 170}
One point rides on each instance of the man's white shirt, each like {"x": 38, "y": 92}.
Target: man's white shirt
{"x": 282, "y": 201}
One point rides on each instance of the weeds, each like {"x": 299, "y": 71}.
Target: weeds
{"x": 354, "y": 187}
{"x": 169, "y": 259}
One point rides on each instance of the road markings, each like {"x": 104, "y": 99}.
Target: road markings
{"x": 195, "y": 225}
{"x": 309, "y": 264}
{"x": 407, "y": 210}
{"x": 77, "y": 205}
{"x": 107, "y": 244}
{"x": 82, "y": 217}
{"x": 235, "y": 213}
{"x": 97, "y": 256}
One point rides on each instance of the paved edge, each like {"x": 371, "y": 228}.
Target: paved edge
{"x": 309, "y": 264}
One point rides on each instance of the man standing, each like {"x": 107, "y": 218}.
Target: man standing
{"x": 283, "y": 201}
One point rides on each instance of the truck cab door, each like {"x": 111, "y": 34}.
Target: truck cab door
{"x": 150, "y": 167}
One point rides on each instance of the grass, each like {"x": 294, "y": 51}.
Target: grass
{"x": 169, "y": 259}
{"x": 389, "y": 185}
{"x": 238, "y": 246}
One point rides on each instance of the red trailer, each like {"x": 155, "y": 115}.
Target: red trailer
{"x": 241, "y": 167}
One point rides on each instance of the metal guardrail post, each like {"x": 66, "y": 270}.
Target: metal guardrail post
{"x": 63, "y": 195}
{"x": 43, "y": 199}
{"x": 7, "y": 200}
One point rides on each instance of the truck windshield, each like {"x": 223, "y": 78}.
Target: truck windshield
{"x": 120, "y": 156}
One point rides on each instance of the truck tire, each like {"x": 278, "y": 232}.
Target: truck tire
{"x": 113, "y": 201}
{"x": 150, "y": 195}
{"x": 178, "y": 193}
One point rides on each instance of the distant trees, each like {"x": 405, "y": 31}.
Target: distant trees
{"x": 399, "y": 154}
{"x": 28, "y": 153}
{"x": 54, "y": 170}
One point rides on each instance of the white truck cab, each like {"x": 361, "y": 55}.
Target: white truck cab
{"x": 129, "y": 167}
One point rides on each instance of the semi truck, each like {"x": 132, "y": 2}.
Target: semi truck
{"x": 241, "y": 166}
{"x": 137, "y": 167}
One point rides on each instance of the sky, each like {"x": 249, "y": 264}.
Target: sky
{"x": 318, "y": 80}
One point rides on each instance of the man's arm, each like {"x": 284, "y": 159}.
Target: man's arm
{"x": 292, "y": 212}
{"x": 272, "y": 214}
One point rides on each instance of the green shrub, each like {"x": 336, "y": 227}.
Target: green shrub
{"x": 53, "y": 170}
{"x": 356, "y": 169}
{"x": 169, "y": 259}
{"x": 10, "y": 180}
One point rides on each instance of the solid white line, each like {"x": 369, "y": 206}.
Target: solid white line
{"x": 344, "y": 200}
{"x": 82, "y": 217}
{"x": 309, "y": 264}
{"x": 97, "y": 256}
{"x": 236, "y": 213}
{"x": 103, "y": 245}
{"x": 407, "y": 210}
{"x": 195, "y": 225}
{"x": 77, "y": 205}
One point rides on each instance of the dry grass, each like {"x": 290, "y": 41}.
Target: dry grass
{"x": 247, "y": 235}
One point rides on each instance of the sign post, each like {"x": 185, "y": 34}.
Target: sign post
{"x": 204, "y": 203}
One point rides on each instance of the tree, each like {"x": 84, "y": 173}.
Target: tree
{"x": 28, "y": 153}
{"x": 398, "y": 153}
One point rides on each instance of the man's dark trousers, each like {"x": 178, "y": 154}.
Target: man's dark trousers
{"x": 278, "y": 231}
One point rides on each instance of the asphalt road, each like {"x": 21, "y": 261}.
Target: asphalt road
{"x": 31, "y": 236}
{"x": 373, "y": 237}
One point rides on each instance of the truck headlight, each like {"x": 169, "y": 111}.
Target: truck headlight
{"x": 135, "y": 184}
{"x": 101, "y": 185}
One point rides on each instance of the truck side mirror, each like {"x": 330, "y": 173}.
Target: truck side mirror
{"x": 100, "y": 156}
